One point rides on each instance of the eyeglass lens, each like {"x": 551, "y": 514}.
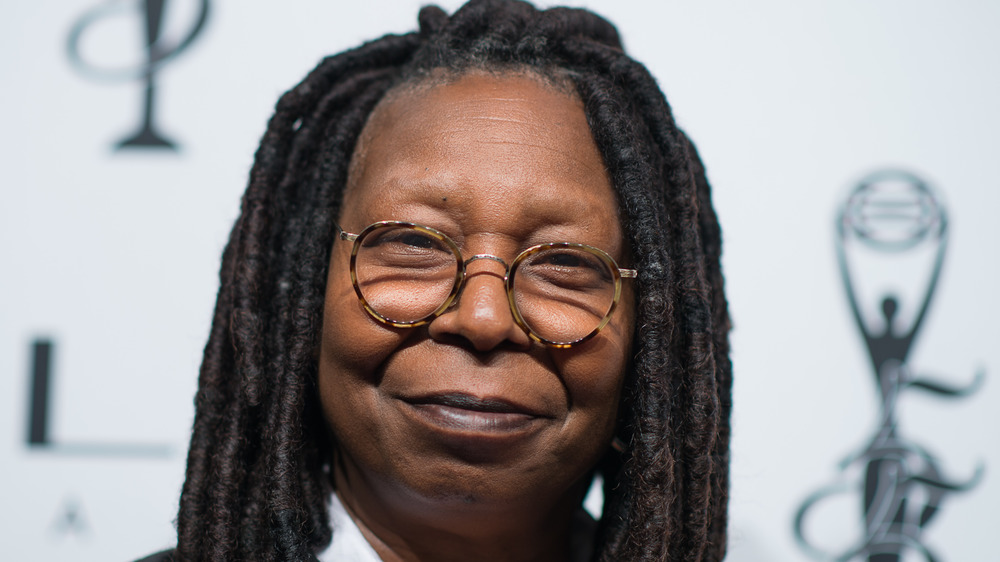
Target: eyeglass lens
{"x": 562, "y": 292}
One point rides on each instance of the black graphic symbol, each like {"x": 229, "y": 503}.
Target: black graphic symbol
{"x": 158, "y": 53}
{"x": 890, "y": 213}
{"x": 39, "y": 414}
{"x": 70, "y": 520}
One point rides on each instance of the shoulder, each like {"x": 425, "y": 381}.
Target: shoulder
{"x": 164, "y": 556}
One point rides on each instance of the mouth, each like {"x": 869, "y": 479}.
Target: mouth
{"x": 469, "y": 414}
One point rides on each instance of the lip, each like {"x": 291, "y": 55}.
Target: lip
{"x": 466, "y": 414}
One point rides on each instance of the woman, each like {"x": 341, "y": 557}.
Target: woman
{"x": 476, "y": 266}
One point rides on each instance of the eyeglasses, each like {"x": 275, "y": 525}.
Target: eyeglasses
{"x": 407, "y": 274}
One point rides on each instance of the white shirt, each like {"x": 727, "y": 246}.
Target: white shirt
{"x": 348, "y": 544}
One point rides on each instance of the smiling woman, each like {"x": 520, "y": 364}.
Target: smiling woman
{"x": 476, "y": 266}
{"x": 467, "y": 426}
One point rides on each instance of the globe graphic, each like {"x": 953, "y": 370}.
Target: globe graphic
{"x": 893, "y": 211}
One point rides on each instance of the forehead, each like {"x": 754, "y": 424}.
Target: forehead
{"x": 482, "y": 145}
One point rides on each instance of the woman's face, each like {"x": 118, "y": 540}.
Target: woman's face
{"x": 467, "y": 410}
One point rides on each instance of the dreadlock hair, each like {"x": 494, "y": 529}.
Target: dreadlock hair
{"x": 258, "y": 472}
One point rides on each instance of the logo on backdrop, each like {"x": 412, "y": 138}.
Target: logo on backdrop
{"x": 158, "y": 52}
{"x": 892, "y": 235}
{"x": 69, "y": 520}
{"x": 40, "y": 413}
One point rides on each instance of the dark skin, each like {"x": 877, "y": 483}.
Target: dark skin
{"x": 498, "y": 163}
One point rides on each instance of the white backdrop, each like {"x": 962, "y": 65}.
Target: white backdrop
{"x": 113, "y": 255}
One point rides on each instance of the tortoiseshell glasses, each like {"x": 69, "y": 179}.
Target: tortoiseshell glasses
{"x": 407, "y": 274}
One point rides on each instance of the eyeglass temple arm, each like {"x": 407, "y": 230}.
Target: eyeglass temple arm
{"x": 347, "y": 235}
{"x": 628, "y": 273}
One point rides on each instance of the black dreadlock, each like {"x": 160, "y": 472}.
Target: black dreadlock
{"x": 258, "y": 474}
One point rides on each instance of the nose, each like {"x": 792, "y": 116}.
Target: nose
{"x": 481, "y": 315}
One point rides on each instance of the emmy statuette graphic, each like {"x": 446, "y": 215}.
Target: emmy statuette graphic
{"x": 891, "y": 215}
{"x": 158, "y": 53}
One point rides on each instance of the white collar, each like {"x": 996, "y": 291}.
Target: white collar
{"x": 348, "y": 544}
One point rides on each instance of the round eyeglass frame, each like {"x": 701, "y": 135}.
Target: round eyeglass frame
{"x": 618, "y": 274}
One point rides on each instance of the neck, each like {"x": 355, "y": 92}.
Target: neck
{"x": 403, "y": 528}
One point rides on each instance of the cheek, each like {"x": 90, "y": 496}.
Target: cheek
{"x": 353, "y": 347}
{"x": 595, "y": 373}
{"x": 593, "y": 377}
{"x": 352, "y": 342}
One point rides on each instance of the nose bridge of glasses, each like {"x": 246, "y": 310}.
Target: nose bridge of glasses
{"x": 487, "y": 271}
{"x": 506, "y": 268}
